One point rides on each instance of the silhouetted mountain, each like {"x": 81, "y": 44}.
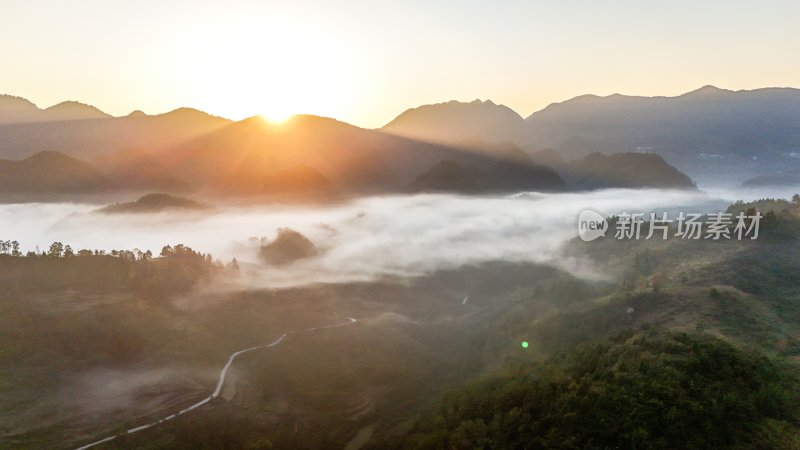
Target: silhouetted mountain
{"x": 50, "y": 172}
{"x": 789, "y": 177}
{"x": 153, "y": 203}
{"x": 625, "y": 170}
{"x": 139, "y": 170}
{"x": 473, "y": 124}
{"x": 85, "y": 132}
{"x": 448, "y": 176}
{"x": 497, "y": 176}
{"x": 308, "y": 156}
{"x": 17, "y": 109}
{"x": 299, "y": 179}
{"x": 253, "y": 156}
{"x": 548, "y": 158}
{"x": 712, "y": 134}
{"x": 72, "y": 111}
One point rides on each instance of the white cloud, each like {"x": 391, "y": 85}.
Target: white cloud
{"x": 362, "y": 240}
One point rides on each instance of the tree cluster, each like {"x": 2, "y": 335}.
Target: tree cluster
{"x": 646, "y": 391}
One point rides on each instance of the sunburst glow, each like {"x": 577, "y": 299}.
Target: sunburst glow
{"x": 276, "y": 117}
{"x": 275, "y": 72}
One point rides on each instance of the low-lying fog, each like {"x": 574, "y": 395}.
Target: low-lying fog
{"x": 362, "y": 239}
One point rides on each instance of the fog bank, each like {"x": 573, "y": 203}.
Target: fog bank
{"x": 361, "y": 240}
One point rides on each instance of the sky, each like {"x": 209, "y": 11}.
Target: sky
{"x": 364, "y": 62}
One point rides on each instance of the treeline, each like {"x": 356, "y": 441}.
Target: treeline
{"x": 176, "y": 269}
{"x": 60, "y": 250}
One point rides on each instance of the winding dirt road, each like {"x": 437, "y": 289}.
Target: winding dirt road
{"x": 220, "y": 383}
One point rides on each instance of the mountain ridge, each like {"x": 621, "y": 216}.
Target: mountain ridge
{"x": 485, "y": 122}
{"x": 90, "y": 138}
{"x": 248, "y": 155}
{"x": 708, "y": 133}
{"x": 50, "y": 172}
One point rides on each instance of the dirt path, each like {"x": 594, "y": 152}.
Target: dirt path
{"x": 220, "y": 383}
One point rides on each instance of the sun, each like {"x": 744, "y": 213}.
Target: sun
{"x": 274, "y": 72}
{"x": 277, "y": 117}
{"x": 280, "y": 100}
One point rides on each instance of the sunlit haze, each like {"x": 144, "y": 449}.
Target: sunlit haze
{"x": 365, "y": 62}
{"x": 411, "y": 225}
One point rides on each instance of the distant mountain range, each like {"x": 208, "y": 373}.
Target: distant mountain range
{"x": 51, "y": 173}
{"x": 307, "y": 157}
{"x": 253, "y": 156}
{"x": 477, "y": 123}
{"x": 624, "y": 170}
{"x": 710, "y": 134}
{"x": 139, "y": 170}
{"x": 502, "y": 176}
{"x": 713, "y": 135}
{"x": 19, "y": 110}
{"x": 86, "y": 132}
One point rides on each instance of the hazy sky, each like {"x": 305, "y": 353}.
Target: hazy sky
{"x": 366, "y": 61}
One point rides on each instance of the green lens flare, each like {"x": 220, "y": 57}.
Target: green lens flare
{"x": 524, "y": 344}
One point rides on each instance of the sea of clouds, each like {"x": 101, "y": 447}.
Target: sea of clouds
{"x": 362, "y": 239}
